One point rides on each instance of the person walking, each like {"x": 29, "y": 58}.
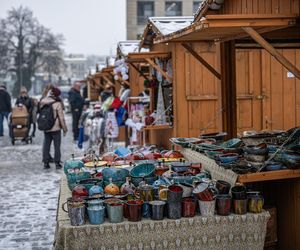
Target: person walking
{"x": 76, "y": 102}
{"x": 53, "y": 134}
{"x": 27, "y": 101}
{"x": 5, "y": 106}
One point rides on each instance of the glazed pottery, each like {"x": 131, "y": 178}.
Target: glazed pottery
{"x": 195, "y": 168}
{"x": 112, "y": 189}
{"x": 115, "y": 212}
{"x": 157, "y": 209}
{"x": 96, "y": 215}
{"x": 223, "y": 204}
{"x": 135, "y": 210}
{"x": 79, "y": 192}
{"x": 148, "y": 180}
{"x": 239, "y": 192}
{"x": 146, "y": 210}
{"x": 127, "y": 187}
{"x": 180, "y": 167}
{"x": 220, "y": 136}
{"x": 143, "y": 170}
{"x": 145, "y": 193}
{"x": 76, "y": 211}
{"x": 160, "y": 169}
{"x": 240, "y": 206}
{"x": 255, "y": 203}
{"x": 188, "y": 207}
{"x": 96, "y": 191}
{"x": 72, "y": 164}
{"x": 116, "y": 174}
{"x": 260, "y": 149}
{"x": 232, "y": 143}
{"x": 173, "y": 154}
{"x": 228, "y": 158}
{"x": 163, "y": 192}
{"x": 187, "y": 189}
{"x": 175, "y": 193}
{"x": 273, "y": 166}
{"x": 207, "y": 208}
{"x": 95, "y": 203}
{"x": 174, "y": 210}
{"x": 255, "y": 158}
{"x": 223, "y": 187}
{"x": 90, "y": 182}
{"x": 71, "y": 203}
{"x": 205, "y": 192}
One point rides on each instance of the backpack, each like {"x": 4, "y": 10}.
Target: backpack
{"x": 46, "y": 118}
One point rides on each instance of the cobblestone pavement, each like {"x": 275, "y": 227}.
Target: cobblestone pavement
{"x": 29, "y": 194}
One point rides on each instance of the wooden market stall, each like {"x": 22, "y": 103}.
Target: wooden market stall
{"x": 249, "y": 56}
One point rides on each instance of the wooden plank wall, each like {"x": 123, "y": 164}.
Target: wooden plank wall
{"x": 261, "y": 7}
{"x": 282, "y": 102}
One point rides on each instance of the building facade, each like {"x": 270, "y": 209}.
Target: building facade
{"x": 138, "y": 12}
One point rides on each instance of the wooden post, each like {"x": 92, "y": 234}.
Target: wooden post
{"x": 228, "y": 87}
{"x": 268, "y": 47}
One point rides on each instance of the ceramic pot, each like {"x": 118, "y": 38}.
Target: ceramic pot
{"x": 205, "y": 192}
{"x": 255, "y": 203}
{"x": 174, "y": 210}
{"x": 96, "y": 191}
{"x": 223, "y": 187}
{"x": 96, "y": 215}
{"x": 157, "y": 209}
{"x": 174, "y": 193}
{"x": 115, "y": 212}
{"x": 223, "y": 204}
{"x": 195, "y": 168}
{"x": 112, "y": 188}
{"x": 187, "y": 189}
{"x": 188, "y": 207}
{"x": 72, "y": 164}
{"x": 76, "y": 211}
{"x": 228, "y": 158}
{"x": 239, "y": 192}
{"x": 240, "y": 206}
{"x": 127, "y": 187}
{"x": 207, "y": 208}
{"x": 79, "y": 192}
{"x": 145, "y": 193}
{"x": 146, "y": 210}
{"x": 135, "y": 210}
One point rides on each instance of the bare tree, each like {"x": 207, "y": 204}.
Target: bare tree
{"x": 30, "y": 45}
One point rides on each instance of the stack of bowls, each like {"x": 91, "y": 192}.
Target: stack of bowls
{"x": 143, "y": 171}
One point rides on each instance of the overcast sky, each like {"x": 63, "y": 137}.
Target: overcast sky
{"x": 89, "y": 26}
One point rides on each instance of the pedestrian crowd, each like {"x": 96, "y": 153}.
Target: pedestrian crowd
{"x": 97, "y": 125}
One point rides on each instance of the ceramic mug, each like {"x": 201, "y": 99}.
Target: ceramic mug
{"x": 187, "y": 189}
{"x": 163, "y": 192}
{"x": 255, "y": 203}
{"x": 157, "y": 209}
{"x": 223, "y": 187}
{"x": 115, "y": 212}
{"x": 205, "y": 192}
{"x": 135, "y": 210}
{"x": 239, "y": 192}
{"x": 240, "y": 206}
{"x": 223, "y": 204}
{"x": 188, "y": 207}
{"x": 207, "y": 208}
{"x": 175, "y": 193}
{"x": 71, "y": 203}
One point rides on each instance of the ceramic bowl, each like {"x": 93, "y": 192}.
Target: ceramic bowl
{"x": 260, "y": 149}
{"x": 232, "y": 143}
{"x": 143, "y": 170}
{"x": 273, "y": 166}
{"x": 220, "y": 136}
{"x": 149, "y": 180}
{"x": 89, "y": 183}
{"x": 291, "y": 159}
{"x": 116, "y": 174}
{"x": 255, "y": 158}
{"x": 180, "y": 166}
{"x": 228, "y": 158}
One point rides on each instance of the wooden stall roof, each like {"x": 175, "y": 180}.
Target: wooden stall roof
{"x": 160, "y": 26}
{"x": 126, "y": 47}
{"x": 228, "y": 27}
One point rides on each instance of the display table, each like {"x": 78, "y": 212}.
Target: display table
{"x": 219, "y": 232}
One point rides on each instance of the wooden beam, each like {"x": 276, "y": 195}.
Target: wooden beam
{"x": 144, "y": 55}
{"x": 268, "y": 47}
{"x": 108, "y": 80}
{"x": 201, "y": 60}
{"x": 137, "y": 69}
{"x": 228, "y": 88}
{"x": 154, "y": 65}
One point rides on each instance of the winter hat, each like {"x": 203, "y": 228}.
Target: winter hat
{"x": 55, "y": 92}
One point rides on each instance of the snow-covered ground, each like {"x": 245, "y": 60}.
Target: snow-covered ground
{"x": 29, "y": 193}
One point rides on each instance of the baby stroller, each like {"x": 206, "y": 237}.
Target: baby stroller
{"x": 20, "y": 124}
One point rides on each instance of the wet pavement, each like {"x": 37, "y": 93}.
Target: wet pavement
{"x": 29, "y": 193}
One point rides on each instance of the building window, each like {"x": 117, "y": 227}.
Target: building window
{"x": 173, "y": 8}
{"x": 196, "y": 5}
{"x": 144, "y": 10}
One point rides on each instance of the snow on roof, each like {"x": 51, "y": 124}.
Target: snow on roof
{"x": 168, "y": 25}
{"x": 127, "y": 47}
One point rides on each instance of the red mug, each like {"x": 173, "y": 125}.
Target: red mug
{"x": 205, "y": 192}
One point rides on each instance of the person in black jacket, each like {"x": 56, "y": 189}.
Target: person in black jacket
{"x": 5, "y": 106}
{"x": 76, "y": 102}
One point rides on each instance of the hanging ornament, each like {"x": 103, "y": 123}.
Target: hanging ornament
{"x": 160, "y": 118}
{"x": 125, "y": 77}
{"x": 116, "y": 77}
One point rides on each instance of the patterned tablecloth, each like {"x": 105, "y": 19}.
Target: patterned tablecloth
{"x": 218, "y": 232}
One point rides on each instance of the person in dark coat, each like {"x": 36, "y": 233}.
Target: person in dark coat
{"x": 27, "y": 101}
{"x": 76, "y": 102}
{"x": 5, "y": 106}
